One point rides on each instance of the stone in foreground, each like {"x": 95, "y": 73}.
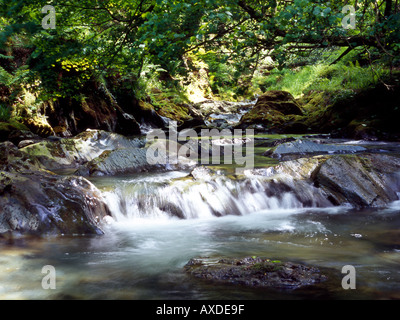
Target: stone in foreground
{"x": 255, "y": 272}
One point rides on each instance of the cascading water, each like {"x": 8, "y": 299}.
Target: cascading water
{"x": 165, "y": 219}
{"x": 176, "y": 194}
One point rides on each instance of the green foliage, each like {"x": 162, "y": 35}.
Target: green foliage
{"x": 341, "y": 77}
{"x": 5, "y": 114}
{"x": 14, "y": 80}
{"x": 143, "y": 43}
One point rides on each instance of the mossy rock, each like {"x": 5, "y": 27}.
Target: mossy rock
{"x": 6, "y": 128}
{"x": 36, "y": 201}
{"x": 39, "y": 126}
{"x": 255, "y": 272}
{"x": 273, "y": 110}
{"x": 281, "y": 101}
{"x": 145, "y": 106}
{"x": 179, "y": 113}
{"x": 73, "y": 152}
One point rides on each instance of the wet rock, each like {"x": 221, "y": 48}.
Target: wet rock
{"x": 209, "y": 107}
{"x": 41, "y": 203}
{"x": 301, "y": 168}
{"x": 371, "y": 180}
{"x": 37, "y": 201}
{"x": 294, "y": 177}
{"x": 367, "y": 180}
{"x": 134, "y": 160}
{"x": 255, "y": 272}
{"x": 25, "y": 143}
{"x": 121, "y": 161}
{"x": 202, "y": 173}
{"x": 302, "y": 147}
{"x": 73, "y": 152}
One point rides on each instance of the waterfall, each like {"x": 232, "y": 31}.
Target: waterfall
{"x": 177, "y": 195}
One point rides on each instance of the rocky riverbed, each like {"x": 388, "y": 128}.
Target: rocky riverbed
{"x": 48, "y": 186}
{"x": 38, "y": 197}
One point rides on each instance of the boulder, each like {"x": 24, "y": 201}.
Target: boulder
{"x": 255, "y": 272}
{"x": 371, "y": 180}
{"x": 134, "y": 160}
{"x": 367, "y": 180}
{"x": 184, "y": 114}
{"x": 36, "y": 201}
{"x": 73, "y": 152}
{"x": 121, "y": 161}
{"x": 274, "y": 110}
{"x": 147, "y": 116}
{"x": 281, "y": 101}
{"x": 307, "y": 147}
{"x": 209, "y": 107}
{"x": 41, "y": 203}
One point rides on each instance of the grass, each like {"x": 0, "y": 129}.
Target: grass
{"x": 341, "y": 77}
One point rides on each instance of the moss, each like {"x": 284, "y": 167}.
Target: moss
{"x": 60, "y": 129}
{"x": 13, "y": 125}
{"x": 39, "y": 125}
{"x": 173, "y": 111}
{"x": 145, "y": 106}
{"x": 69, "y": 144}
{"x": 7, "y": 127}
{"x": 267, "y": 266}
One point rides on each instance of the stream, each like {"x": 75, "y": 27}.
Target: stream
{"x": 143, "y": 251}
{"x": 162, "y": 220}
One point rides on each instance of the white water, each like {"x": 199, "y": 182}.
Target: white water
{"x": 162, "y": 220}
{"x": 157, "y": 197}
{"x": 142, "y": 254}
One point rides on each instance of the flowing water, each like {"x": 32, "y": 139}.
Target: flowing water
{"x": 159, "y": 226}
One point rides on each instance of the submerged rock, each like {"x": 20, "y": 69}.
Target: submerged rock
{"x": 255, "y": 272}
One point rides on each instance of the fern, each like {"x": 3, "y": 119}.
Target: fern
{"x": 5, "y": 77}
{"x": 13, "y": 80}
{"x": 2, "y": 56}
{"x": 4, "y": 114}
